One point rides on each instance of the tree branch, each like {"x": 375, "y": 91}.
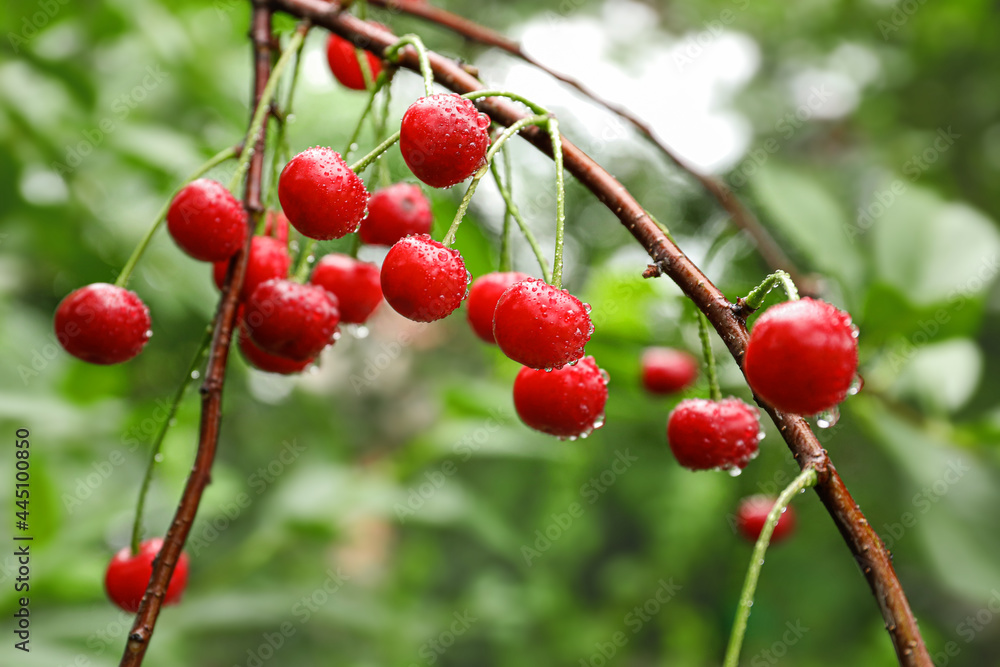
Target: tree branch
{"x": 861, "y": 538}
{"x": 211, "y": 389}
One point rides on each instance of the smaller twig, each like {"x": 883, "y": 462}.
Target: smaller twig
{"x": 522, "y": 224}
{"x": 392, "y": 55}
{"x": 706, "y": 349}
{"x": 755, "y": 299}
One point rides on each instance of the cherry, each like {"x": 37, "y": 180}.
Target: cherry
{"x": 344, "y": 63}
{"x": 444, "y": 139}
{"x": 394, "y": 212}
{"x": 268, "y": 259}
{"x": 483, "y": 296}
{"x": 127, "y": 576}
{"x": 320, "y": 194}
{"x": 667, "y": 371}
{"x": 291, "y": 320}
{"x": 276, "y": 225}
{"x": 423, "y": 280}
{"x": 356, "y": 285}
{"x": 207, "y": 221}
{"x": 752, "y": 515}
{"x": 802, "y": 356}
{"x": 568, "y": 402}
{"x": 264, "y": 361}
{"x": 540, "y": 326}
{"x": 714, "y": 435}
{"x": 102, "y": 324}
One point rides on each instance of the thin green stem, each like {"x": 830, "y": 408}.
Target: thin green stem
{"x": 392, "y": 54}
{"x": 505, "y": 251}
{"x": 158, "y": 442}
{"x": 360, "y": 165}
{"x": 706, "y": 349}
{"x": 557, "y": 155}
{"x": 302, "y": 270}
{"x": 380, "y": 81}
{"x": 536, "y": 109}
{"x": 805, "y": 479}
{"x": 756, "y": 296}
{"x": 522, "y": 224}
{"x": 281, "y": 139}
{"x": 214, "y": 161}
{"x": 355, "y": 246}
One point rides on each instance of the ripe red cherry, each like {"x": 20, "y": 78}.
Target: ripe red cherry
{"x": 271, "y": 363}
{"x": 276, "y": 225}
{"x": 102, "y": 324}
{"x": 357, "y": 285}
{"x": 320, "y": 194}
{"x": 483, "y": 296}
{"x": 540, "y": 326}
{"x": 568, "y": 402}
{"x": 444, "y": 139}
{"x": 291, "y": 320}
{"x": 207, "y": 221}
{"x": 422, "y": 280}
{"x": 127, "y": 576}
{"x": 752, "y": 515}
{"x": 343, "y": 60}
{"x": 714, "y": 435}
{"x": 269, "y": 258}
{"x": 394, "y": 212}
{"x": 667, "y": 371}
{"x": 802, "y": 356}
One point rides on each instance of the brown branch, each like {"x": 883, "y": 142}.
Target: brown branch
{"x": 862, "y": 540}
{"x": 770, "y": 251}
{"x": 211, "y": 389}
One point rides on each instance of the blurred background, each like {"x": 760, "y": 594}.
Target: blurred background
{"x": 387, "y": 508}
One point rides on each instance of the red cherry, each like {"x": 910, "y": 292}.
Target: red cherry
{"x": 128, "y": 576}
{"x": 444, "y": 139}
{"x": 276, "y": 225}
{"x": 422, "y": 280}
{"x": 540, "y": 326}
{"x": 269, "y": 258}
{"x": 344, "y": 64}
{"x": 102, "y": 324}
{"x": 271, "y": 363}
{"x": 356, "y": 285}
{"x": 483, "y": 296}
{"x": 714, "y": 435}
{"x": 802, "y": 356}
{"x": 291, "y": 320}
{"x": 320, "y": 194}
{"x": 207, "y": 221}
{"x": 667, "y": 371}
{"x": 394, "y": 212}
{"x": 752, "y": 515}
{"x": 568, "y": 402}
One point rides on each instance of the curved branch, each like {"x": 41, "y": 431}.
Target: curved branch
{"x": 861, "y": 538}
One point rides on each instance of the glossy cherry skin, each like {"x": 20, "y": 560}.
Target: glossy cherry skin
{"x": 264, "y": 361}
{"x": 102, "y": 324}
{"x": 320, "y": 194}
{"x": 802, "y": 356}
{"x": 568, "y": 402}
{"x": 444, "y": 139}
{"x": 357, "y": 285}
{"x": 290, "y": 320}
{"x": 394, "y": 212}
{"x": 343, "y": 60}
{"x": 127, "y": 576}
{"x": 667, "y": 371}
{"x": 540, "y": 326}
{"x": 269, "y": 259}
{"x": 714, "y": 435}
{"x": 752, "y": 515}
{"x": 207, "y": 221}
{"x": 483, "y": 296}
{"x": 422, "y": 280}
{"x": 276, "y": 225}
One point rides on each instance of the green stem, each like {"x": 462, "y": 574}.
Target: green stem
{"x": 536, "y": 109}
{"x": 380, "y": 81}
{"x": 129, "y": 267}
{"x": 392, "y": 53}
{"x": 756, "y": 296}
{"x": 557, "y": 155}
{"x": 304, "y": 264}
{"x": 505, "y": 252}
{"x": 805, "y": 479}
{"x": 158, "y": 442}
{"x": 355, "y": 246}
{"x": 281, "y": 140}
{"x": 706, "y": 349}
{"x": 360, "y": 165}
{"x": 522, "y": 224}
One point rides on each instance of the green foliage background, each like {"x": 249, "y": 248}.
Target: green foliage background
{"x": 143, "y": 91}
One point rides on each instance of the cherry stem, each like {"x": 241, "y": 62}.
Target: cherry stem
{"x": 264, "y": 107}
{"x": 509, "y": 132}
{"x": 214, "y": 161}
{"x": 522, "y": 223}
{"x": 535, "y": 108}
{"x": 804, "y": 480}
{"x": 505, "y": 251}
{"x": 557, "y": 156}
{"x": 380, "y": 81}
{"x": 281, "y": 149}
{"x": 757, "y": 295}
{"x": 302, "y": 270}
{"x": 392, "y": 55}
{"x": 376, "y": 153}
{"x": 706, "y": 349}
{"x": 140, "y": 505}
